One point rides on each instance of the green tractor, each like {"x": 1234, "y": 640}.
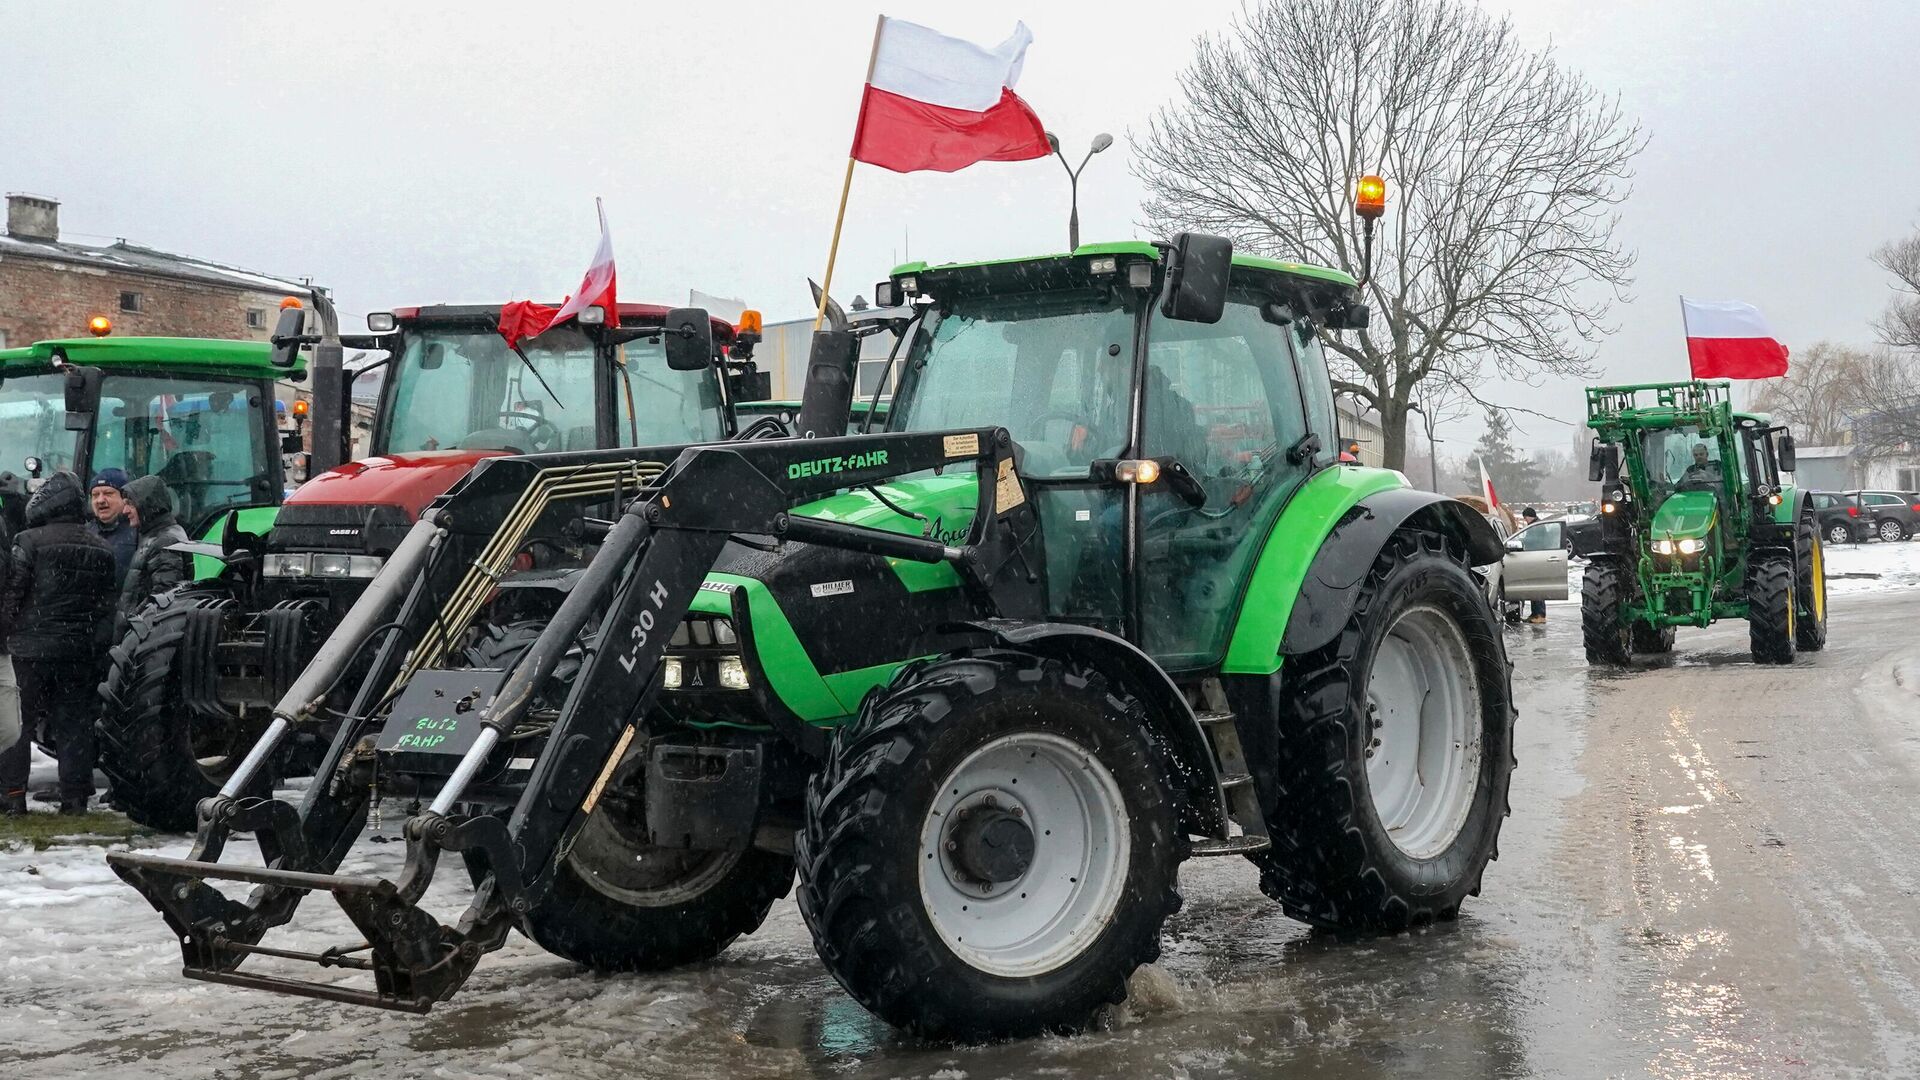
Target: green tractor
{"x": 1099, "y": 599}
{"x": 199, "y": 412}
{"x": 1697, "y": 525}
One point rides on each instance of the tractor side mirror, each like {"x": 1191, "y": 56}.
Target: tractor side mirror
{"x": 1786, "y": 453}
{"x": 286, "y": 336}
{"x": 83, "y": 397}
{"x": 689, "y": 337}
{"x": 1603, "y": 462}
{"x": 1199, "y": 266}
{"x": 1349, "y": 317}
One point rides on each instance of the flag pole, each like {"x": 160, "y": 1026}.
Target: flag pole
{"x": 846, "y": 185}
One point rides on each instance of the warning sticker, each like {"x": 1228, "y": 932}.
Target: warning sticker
{"x": 1007, "y": 492}
{"x": 962, "y": 445}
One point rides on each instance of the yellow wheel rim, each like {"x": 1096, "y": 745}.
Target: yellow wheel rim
{"x": 1819, "y": 583}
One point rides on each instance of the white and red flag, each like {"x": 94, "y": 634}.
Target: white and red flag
{"x": 1486, "y": 486}
{"x": 1727, "y": 339}
{"x": 938, "y": 103}
{"x": 525, "y": 318}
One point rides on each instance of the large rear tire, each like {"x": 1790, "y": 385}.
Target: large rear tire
{"x": 1770, "y": 616}
{"x": 1396, "y": 750}
{"x": 1809, "y": 589}
{"x": 992, "y": 848}
{"x": 619, "y": 903}
{"x": 160, "y": 758}
{"x": 1603, "y": 626}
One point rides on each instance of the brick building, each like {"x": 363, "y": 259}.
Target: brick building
{"x": 49, "y": 288}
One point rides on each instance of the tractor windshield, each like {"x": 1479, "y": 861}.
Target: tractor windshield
{"x": 33, "y": 422}
{"x": 207, "y": 438}
{"x": 464, "y": 389}
{"x": 1054, "y": 369}
{"x": 1681, "y": 459}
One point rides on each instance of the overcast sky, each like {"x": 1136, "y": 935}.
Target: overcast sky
{"x": 406, "y": 153}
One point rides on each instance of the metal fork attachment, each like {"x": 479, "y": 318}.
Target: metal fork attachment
{"x": 448, "y": 727}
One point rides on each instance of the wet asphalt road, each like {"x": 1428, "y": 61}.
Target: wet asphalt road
{"x": 1711, "y": 871}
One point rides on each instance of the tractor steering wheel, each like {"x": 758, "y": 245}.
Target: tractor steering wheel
{"x": 542, "y": 434}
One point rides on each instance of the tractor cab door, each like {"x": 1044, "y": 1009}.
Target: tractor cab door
{"x": 1227, "y": 400}
{"x": 213, "y": 441}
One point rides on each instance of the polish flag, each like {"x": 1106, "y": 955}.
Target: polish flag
{"x": 1486, "y": 486}
{"x": 525, "y": 318}
{"x": 1727, "y": 339}
{"x": 938, "y": 103}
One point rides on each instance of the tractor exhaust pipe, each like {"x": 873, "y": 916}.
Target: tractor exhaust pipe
{"x": 403, "y": 568}
{"x": 826, "y": 402}
{"x": 328, "y": 375}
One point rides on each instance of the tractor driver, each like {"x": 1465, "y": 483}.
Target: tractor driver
{"x": 1704, "y": 473}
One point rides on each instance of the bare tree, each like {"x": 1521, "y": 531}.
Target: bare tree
{"x": 1819, "y": 394}
{"x": 1885, "y": 404}
{"x": 1900, "y": 326}
{"x": 1498, "y": 254}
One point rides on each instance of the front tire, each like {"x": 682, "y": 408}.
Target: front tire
{"x": 160, "y": 758}
{"x": 1770, "y": 618}
{"x": 1603, "y": 625}
{"x": 1809, "y": 589}
{"x": 992, "y": 848}
{"x": 618, "y": 903}
{"x": 1396, "y": 753}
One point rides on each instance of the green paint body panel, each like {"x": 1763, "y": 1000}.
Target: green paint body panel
{"x": 213, "y": 356}
{"x": 791, "y": 673}
{"x": 1281, "y": 569}
{"x": 253, "y": 519}
{"x": 947, "y": 500}
{"x": 1685, "y": 515}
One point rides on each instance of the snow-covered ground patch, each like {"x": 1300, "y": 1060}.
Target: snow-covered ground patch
{"x": 1875, "y": 567}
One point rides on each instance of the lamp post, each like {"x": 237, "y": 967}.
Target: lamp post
{"x": 1100, "y": 142}
{"x": 1433, "y": 457}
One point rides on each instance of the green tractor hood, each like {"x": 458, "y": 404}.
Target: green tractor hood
{"x": 1685, "y": 515}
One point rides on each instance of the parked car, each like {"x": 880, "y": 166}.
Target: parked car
{"x": 1493, "y": 577}
{"x": 1838, "y": 515}
{"x": 1893, "y": 515}
{"x": 1535, "y": 566}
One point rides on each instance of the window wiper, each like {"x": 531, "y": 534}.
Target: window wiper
{"x": 536, "y": 374}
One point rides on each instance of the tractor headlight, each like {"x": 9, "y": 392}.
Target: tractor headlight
{"x": 733, "y": 673}
{"x": 1691, "y": 546}
{"x": 300, "y": 565}
{"x": 1663, "y": 547}
{"x": 346, "y": 566}
{"x": 670, "y": 673}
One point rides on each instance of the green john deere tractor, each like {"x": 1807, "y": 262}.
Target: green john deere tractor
{"x": 1099, "y": 599}
{"x": 1697, "y": 525}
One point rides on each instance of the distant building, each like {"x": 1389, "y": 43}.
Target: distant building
{"x": 49, "y": 287}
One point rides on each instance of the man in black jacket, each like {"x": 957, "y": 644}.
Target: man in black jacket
{"x": 154, "y": 568}
{"x": 110, "y": 518}
{"x": 59, "y": 586}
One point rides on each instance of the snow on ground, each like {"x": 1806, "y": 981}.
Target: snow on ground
{"x": 1874, "y": 567}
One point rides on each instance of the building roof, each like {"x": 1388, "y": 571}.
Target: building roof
{"x": 132, "y": 259}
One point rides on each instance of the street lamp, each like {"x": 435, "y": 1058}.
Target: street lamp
{"x": 1433, "y": 458}
{"x": 1100, "y": 142}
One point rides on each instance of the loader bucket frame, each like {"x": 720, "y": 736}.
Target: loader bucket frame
{"x": 652, "y": 559}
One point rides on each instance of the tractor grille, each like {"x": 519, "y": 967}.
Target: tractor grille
{"x": 369, "y": 530}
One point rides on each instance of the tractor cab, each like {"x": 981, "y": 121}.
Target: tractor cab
{"x": 200, "y": 413}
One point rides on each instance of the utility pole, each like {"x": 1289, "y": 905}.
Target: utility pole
{"x": 1100, "y": 142}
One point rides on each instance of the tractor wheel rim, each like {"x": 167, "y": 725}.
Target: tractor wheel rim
{"x": 1819, "y": 584}
{"x": 1424, "y": 745}
{"x": 1069, "y": 885}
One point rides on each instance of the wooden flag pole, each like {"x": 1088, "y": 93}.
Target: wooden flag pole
{"x": 846, "y": 185}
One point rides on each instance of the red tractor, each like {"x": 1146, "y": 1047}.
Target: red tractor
{"x": 198, "y": 669}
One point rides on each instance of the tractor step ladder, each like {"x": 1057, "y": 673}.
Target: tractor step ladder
{"x": 1237, "y": 788}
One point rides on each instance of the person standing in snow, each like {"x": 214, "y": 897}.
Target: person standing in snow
{"x": 59, "y": 587}
{"x": 154, "y": 568}
{"x": 109, "y": 520}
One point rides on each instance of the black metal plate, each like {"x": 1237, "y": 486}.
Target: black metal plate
{"x": 436, "y": 718}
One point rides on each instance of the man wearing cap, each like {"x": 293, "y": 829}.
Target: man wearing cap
{"x": 109, "y": 521}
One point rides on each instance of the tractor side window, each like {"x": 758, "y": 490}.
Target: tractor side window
{"x": 1225, "y": 400}
{"x": 207, "y": 439}
{"x": 1310, "y": 363}
{"x": 1053, "y": 369}
{"x": 33, "y": 423}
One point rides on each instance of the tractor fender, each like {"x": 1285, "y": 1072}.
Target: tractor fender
{"x": 1167, "y": 708}
{"x": 1331, "y": 586}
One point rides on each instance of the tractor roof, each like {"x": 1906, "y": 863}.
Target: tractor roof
{"x": 243, "y": 359}
{"x": 630, "y": 315}
{"x": 1062, "y": 269}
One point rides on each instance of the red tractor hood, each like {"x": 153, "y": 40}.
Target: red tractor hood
{"x": 409, "y": 481}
